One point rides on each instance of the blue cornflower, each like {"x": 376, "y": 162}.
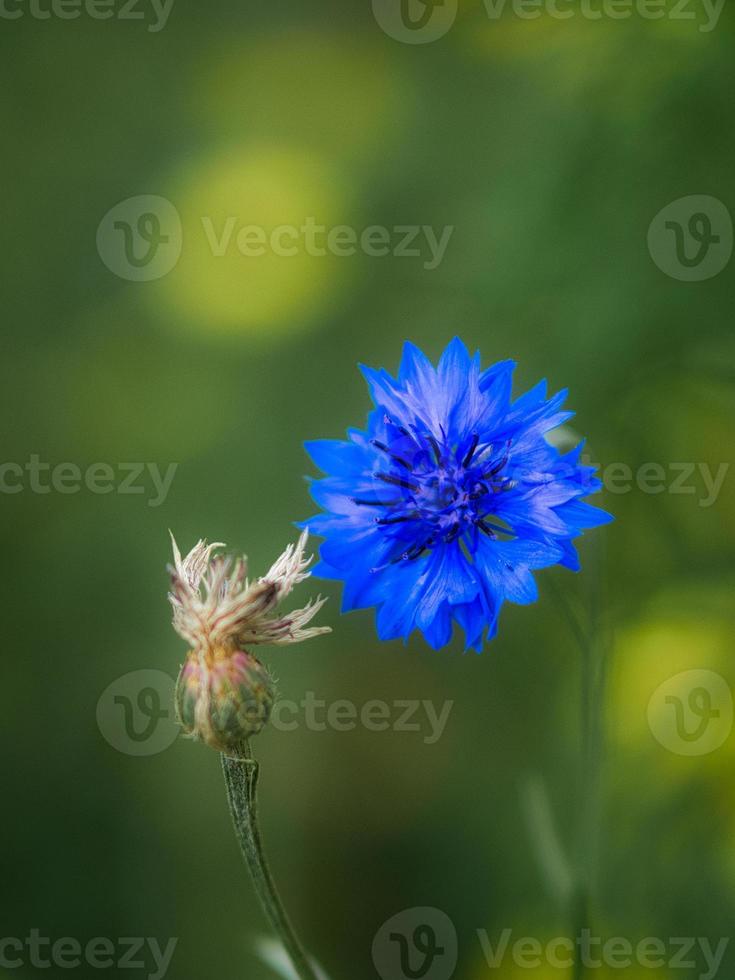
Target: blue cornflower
{"x": 442, "y": 508}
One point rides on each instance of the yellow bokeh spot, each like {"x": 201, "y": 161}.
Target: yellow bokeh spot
{"x": 238, "y": 274}
{"x": 514, "y": 971}
{"x": 523, "y": 963}
{"x": 671, "y": 696}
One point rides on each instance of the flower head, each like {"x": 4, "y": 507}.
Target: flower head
{"x": 224, "y": 694}
{"x": 442, "y": 508}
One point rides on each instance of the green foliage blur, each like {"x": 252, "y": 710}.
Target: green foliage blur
{"x": 550, "y": 146}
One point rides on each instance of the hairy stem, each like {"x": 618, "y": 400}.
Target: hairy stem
{"x": 241, "y": 781}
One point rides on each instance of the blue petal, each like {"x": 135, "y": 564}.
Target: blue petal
{"x": 579, "y": 515}
{"x": 474, "y": 617}
{"x": 570, "y": 558}
{"x": 529, "y": 511}
{"x": 416, "y": 369}
{"x": 496, "y": 385}
{"x": 396, "y": 615}
{"x": 323, "y": 570}
{"x": 501, "y": 371}
{"x": 386, "y": 396}
{"x": 449, "y": 577}
{"x": 351, "y": 552}
{"x": 337, "y": 456}
{"x": 439, "y": 632}
{"x": 506, "y": 567}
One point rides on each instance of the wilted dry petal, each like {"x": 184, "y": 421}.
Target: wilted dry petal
{"x": 214, "y": 604}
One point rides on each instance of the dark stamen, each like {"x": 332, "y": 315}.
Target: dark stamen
{"x": 397, "y": 520}
{"x": 415, "y": 552}
{"x": 386, "y": 449}
{"x": 471, "y": 451}
{"x": 489, "y": 529}
{"x": 498, "y": 466}
{"x": 397, "y": 481}
{"x": 495, "y": 469}
{"x": 488, "y": 450}
{"x": 361, "y": 502}
{"x": 435, "y": 446}
{"x": 389, "y": 421}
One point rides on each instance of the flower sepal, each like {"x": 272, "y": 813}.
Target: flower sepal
{"x": 224, "y": 698}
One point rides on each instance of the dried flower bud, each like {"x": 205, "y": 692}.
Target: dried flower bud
{"x": 226, "y": 700}
{"x": 224, "y": 694}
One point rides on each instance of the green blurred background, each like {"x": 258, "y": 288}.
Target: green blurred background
{"x": 549, "y": 145}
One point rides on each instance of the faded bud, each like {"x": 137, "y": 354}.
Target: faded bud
{"x": 224, "y": 694}
{"x": 224, "y": 698}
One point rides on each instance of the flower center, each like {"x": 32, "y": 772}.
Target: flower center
{"x": 431, "y": 492}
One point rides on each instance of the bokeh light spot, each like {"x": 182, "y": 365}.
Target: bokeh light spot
{"x": 231, "y": 278}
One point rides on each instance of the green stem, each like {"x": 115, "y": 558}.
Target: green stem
{"x": 580, "y": 908}
{"x": 593, "y": 641}
{"x": 241, "y": 781}
{"x": 594, "y": 651}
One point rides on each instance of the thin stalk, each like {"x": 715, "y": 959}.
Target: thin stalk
{"x": 241, "y": 781}
{"x": 593, "y": 642}
{"x": 594, "y": 651}
{"x": 585, "y": 818}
